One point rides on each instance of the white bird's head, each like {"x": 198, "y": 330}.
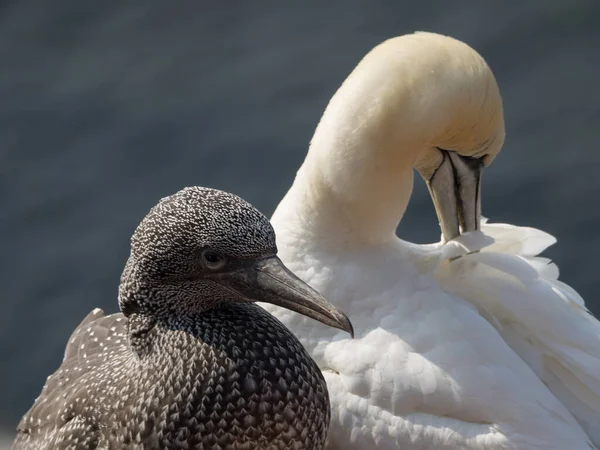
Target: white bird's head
{"x": 421, "y": 101}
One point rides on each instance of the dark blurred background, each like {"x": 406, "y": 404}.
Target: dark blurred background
{"x": 105, "y": 107}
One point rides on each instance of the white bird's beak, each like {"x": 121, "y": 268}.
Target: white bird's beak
{"x": 455, "y": 188}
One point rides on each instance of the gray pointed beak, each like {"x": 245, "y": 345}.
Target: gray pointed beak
{"x": 268, "y": 280}
{"x": 455, "y": 188}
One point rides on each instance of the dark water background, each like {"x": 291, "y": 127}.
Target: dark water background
{"x": 105, "y": 107}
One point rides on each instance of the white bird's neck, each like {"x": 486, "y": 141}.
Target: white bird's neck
{"x": 353, "y": 217}
{"x": 356, "y": 181}
{"x": 355, "y": 201}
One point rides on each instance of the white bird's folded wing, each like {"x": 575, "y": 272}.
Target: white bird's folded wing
{"x": 542, "y": 319}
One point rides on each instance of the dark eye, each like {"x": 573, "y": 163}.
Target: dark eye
{"x": 212, "y": 259}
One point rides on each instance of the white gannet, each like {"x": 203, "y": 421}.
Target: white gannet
{"x": 455, "y": 348}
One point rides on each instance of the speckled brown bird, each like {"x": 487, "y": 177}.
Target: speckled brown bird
{"x": 191, "y": 362}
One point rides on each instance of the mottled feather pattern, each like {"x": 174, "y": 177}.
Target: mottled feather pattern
{"x": 190, "y": 364}
{"x": 234, "y": 378}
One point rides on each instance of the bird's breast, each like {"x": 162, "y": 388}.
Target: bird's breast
{"x": 236, "y": 375}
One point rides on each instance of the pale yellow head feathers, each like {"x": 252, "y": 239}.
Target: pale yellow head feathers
{"x": 411, "y": 94}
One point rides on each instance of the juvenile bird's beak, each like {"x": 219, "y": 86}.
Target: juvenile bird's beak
{"x": 268, "y": 280}
{"x": 455, "y": 188}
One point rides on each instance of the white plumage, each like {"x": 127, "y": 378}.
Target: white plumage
{"x": 455, "y": 348}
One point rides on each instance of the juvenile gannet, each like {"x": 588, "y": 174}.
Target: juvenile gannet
{"x": 456, "y": 348}
{"x": 191, "y": 363}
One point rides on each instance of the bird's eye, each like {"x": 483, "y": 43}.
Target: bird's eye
{"x": 213, "y": 260}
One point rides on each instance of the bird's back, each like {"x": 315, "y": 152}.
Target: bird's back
{"x": 55, "y": 420}
{"x": 233, "y": 376}
{"x": 542, "y": 319}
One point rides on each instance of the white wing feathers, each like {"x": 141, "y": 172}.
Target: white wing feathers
{"x": 542, "y": 319}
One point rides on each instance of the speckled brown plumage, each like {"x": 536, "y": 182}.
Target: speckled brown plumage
{"x": 189, "y": 366}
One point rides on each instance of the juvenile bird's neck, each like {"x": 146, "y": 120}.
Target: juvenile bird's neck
{"x": 139, "y": 328}
{"x": 144, "y": 329}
